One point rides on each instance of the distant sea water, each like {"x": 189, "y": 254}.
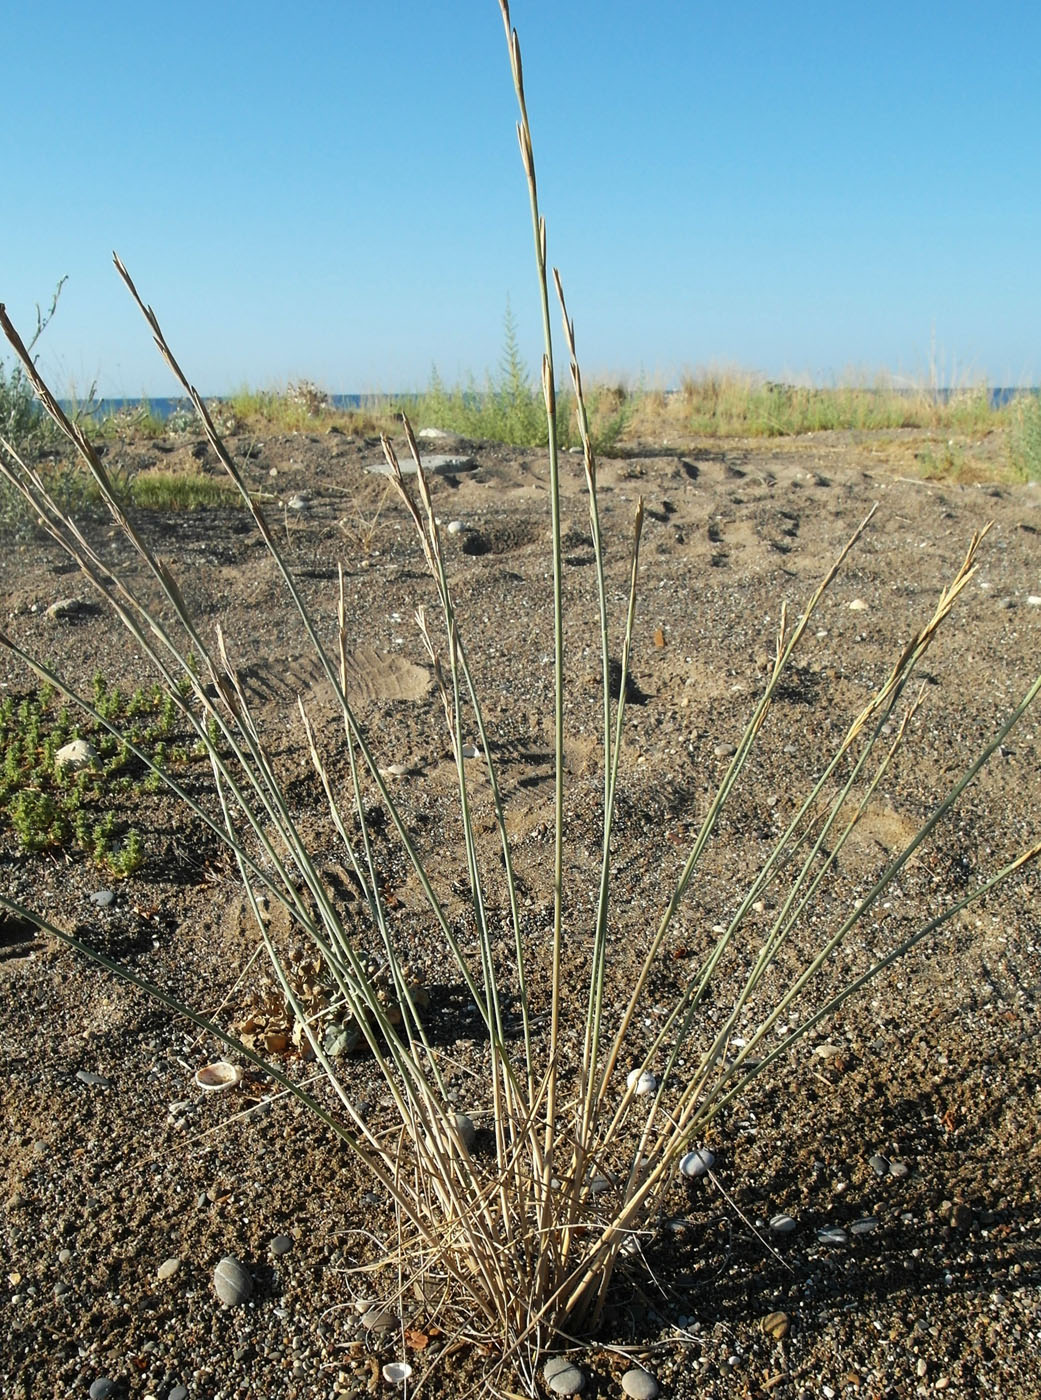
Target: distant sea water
{"x": 165, "y": 408}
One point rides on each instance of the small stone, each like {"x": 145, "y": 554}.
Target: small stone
{"x": 464, "y": 1126}
{"x": 102, "y": 898}
{"x": 827, "y": 1051}
{"x": 64, "y": 1255}
{"x": 1033, "y": 600}
{"x": 642, "y": 1083}
{"x": 70, "y": 607}
{"x": 640, "y": 1384}
{"x": 167, "y": 1269}
{"x": 96, "y": 1081}
{"x": 725, "y": 750}
{"x": 879, "y": 1164}
{"x": 698, "y": 1163}
{"x": 433, "y": 466}
{"x": 379, "y": 1320}
{"x": 782, "y": 1224}
{"x": 833, "y": 1234}
{"x": 76, "y": 754}
{"x": 899, "y": 1169}
{"x": 858, "y": 605}
{"x": 280, "y": 1244}
{"x": 102, "y": 1388}
{"x": 455, "y": 527}
{"x": 231, "y": 1282}
{"x": 866, "y": 1226}
{"x": 179, "y": 1392}
{"x": 776, "y": 1325}
{"x": 297, "y": 502}
{"x": 562, "y": 1377}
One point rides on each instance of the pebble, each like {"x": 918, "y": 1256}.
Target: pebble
{"x": 782, "y": 1224}
{"x": 455, "y": 527}
{"x": 102, "y": 1388}
{"x": 96, "y": 1081}
{"x": 879, "y": 1165}
{"x": 179, "y": 1392}
{"x": 899, "y": 1169}
{"x": 776, "y": 1325}
{"x": 167, "y": 1269}
{"x": 562, "y": 1377}
{"x": 697, "y": 1163}
{"x": 833, "y": 1234}
{"x": 102, "y": 898}
{"x": 464, "y": 1126}
{"x": 231, "y": 1282}
{"x": 725, "y": 750}
{"x": 640, "y": 1384}
{"x": 858, "y": 605}
{"x": 1033, "y": 600}
{"x": 69, "y": 607}
{"x": 76, "y": 754}
{"x": 379, "y": 1320}
{"x": 433, "y": 466}
{"x": 642, "y": 1084}
{"x": 866, "y": 1226}
{"x": 297, "y": 501}
{"x": 280, "y": 1244}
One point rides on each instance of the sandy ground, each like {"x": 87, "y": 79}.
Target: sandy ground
{"x": 934, "y": 1069}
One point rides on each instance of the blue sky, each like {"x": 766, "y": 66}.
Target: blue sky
{"x": 333, "y": 191}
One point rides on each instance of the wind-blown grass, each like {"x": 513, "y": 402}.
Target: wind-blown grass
{"x": 524, "y": 1233}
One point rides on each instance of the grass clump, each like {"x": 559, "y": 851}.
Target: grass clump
{"x": 79, "y": 802}
{"x": 1025, "y": 437}
{"x": 589, "y": 1106}
{"x": 732, "y": 404}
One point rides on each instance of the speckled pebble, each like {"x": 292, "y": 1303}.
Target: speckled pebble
{"x": 168, "y": 1268}
{"x": 563, "y": 1377}
{"x": 640, "y": 1384}
{"x": 231, "y": 1282}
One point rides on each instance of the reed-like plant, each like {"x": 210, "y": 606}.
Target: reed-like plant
{"x": 587, "y": 1116}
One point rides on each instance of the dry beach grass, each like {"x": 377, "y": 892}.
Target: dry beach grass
{"x": 513, "y": 923}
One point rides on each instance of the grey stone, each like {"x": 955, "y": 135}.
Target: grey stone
{"x": 379, "y": 1320}
{"x": 280, "y": 1244}
{"x": 563, "y": 1377}
{"x": 232, "y": 1282}
{"x": 179, "y": 1392}
{"x": 102, "y": 1388}
{"x": 102, "y": 898}
{"x": 168, "y": 1268}
{"x": 782, "y": 1224}
{"x": 879, "y": 1164}
{"x": 640, "y": 1384}
{"x": 70, "y": 607}
{"x": 436, "y": 465}
{"x": 96, "y": 1081}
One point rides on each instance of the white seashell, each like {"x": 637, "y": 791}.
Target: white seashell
{"x": 643, "y": 1082}
{"x": 219, "y": 1075}
{"x": 697, "y": 1163}
{"x": 396, "y": 1372}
